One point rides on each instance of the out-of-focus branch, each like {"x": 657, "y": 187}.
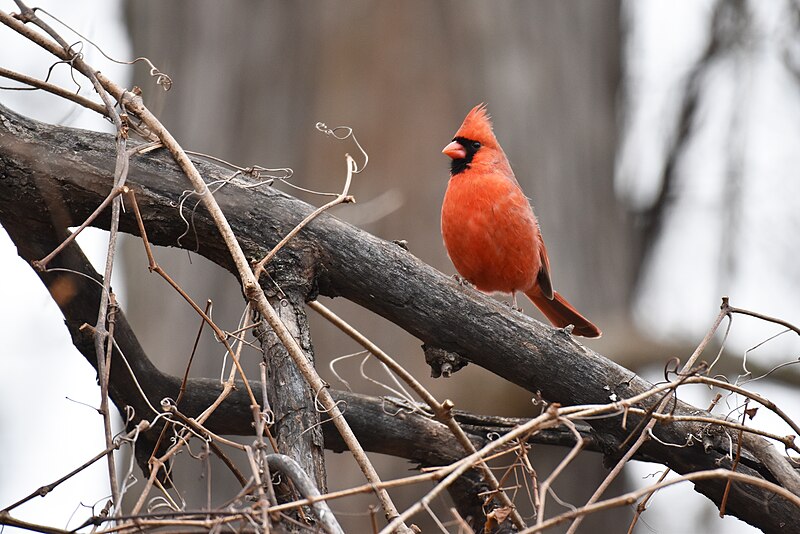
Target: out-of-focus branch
{"x": 725, "y": 32}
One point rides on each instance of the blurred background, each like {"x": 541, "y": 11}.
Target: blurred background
{"x": 658, "y": 141}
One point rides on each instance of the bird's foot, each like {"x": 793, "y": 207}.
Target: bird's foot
{"x": 463, "y": 281}
{"x": 512, "y": 305}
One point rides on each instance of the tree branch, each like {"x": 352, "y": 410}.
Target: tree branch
{"x": 58, "y": 175}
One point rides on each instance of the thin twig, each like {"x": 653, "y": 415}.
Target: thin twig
{"x": 763, "y": 317}
{"x": 54, "y": 89}
{"x": 6, "y": 519}
{"x": 724, "y": 501}
{"x": 41, "y": 265}
{"x": 724, "y": 312}
{"x": 343, "y": 198}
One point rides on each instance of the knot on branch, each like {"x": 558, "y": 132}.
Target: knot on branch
{"x": 442, "y": 362}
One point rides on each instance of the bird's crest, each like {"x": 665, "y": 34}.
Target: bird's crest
{"x": 477, "y": 126}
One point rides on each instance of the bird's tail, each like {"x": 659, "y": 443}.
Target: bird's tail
{"x": 561, "y": 313}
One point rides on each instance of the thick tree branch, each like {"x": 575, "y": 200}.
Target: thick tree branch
{"x": 69, "y": 170}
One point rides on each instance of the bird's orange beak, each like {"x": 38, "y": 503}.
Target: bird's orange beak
{"x": 455, "y": 150}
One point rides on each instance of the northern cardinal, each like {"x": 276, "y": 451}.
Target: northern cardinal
{"x": 489, "y": 229}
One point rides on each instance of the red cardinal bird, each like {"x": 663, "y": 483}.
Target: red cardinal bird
{"x": 489, "y": 229}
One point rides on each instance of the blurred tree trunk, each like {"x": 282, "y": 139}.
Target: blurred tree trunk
{"x": 252, "y": 78}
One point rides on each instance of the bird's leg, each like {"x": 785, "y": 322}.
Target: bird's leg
{"x": 513, "y": 304}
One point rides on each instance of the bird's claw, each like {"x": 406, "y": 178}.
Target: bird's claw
{"x": 513, "y": 306}
{"x": 462, "y": 281}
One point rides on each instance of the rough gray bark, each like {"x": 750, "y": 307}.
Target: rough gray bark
{"x": 69, "y": 169}
{"x": 296, "y": 427}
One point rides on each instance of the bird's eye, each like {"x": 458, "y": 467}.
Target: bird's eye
{"x": 476, "y": 145}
